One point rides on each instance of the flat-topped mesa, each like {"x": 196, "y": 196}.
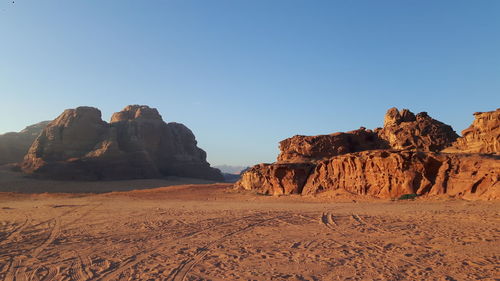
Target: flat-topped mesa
{"x": 404, "y": 130}
{"x": 483, "y": 135}
{"x": 137, "y": 144}
{"x": 313, "y": 148}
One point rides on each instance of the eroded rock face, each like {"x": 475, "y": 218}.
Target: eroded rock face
{"x": 276, "y": 179}
{"x": 483, "y": 136}
{"x": 382, "y": 174}
{"x": 136, "y": 113}
{"x": 172, "y": 147}
{"x": 390, "y": 174}
{"x": 136, "y": 144}
{"x": 401, "y": 158}
{"x": 299, "y": 149}
{"x": 13, "y": 146}
{"x": 404, "y": 130}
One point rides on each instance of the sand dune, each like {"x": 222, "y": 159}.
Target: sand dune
{"x": 210, "y": 232}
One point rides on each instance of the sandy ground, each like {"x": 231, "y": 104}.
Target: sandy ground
{"x": 209, "y": 232}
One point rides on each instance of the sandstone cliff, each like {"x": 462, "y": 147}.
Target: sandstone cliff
{"x": 390, "y": 174}
{"x": 276, "y": 179}
{"x": 483, "y": 136}
{"x": 401, "y": 158}
{"x": 13, "y": 146}
{"x": 136, "y": 144}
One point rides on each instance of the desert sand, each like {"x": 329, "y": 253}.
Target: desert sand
{"x": 212, "y": 232}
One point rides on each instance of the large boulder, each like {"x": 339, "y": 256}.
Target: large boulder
{"x": 483, "y": 135}
{"x": 136, "y": 144}
{"x": 405, "y": 130}
{"x": 276, "y": 179}
{"x": 13, "y": 146}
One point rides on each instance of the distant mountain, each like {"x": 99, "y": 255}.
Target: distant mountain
{"x": 228, "y": 169}
{"x": 231, "y": 177}
{"x": 13, "y": 146}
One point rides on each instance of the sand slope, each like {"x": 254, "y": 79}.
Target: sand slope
{"x": 207, "y": 232}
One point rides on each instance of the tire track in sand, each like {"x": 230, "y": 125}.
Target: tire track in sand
{"x": 16, "y": 231}
{"x": 180, "y": 273}
{"x": 54, "y": 233}
{"x": 152, "y": 248}
{"x": 328, "y": 220}
{"x": 17, "y": 271}
{"x": 80, "y": 269}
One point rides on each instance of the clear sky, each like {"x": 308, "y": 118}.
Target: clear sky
{"x": 245, "y": 74}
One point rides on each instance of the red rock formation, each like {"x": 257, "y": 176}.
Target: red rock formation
{"x": 137, "y": 144}
{"x": 483, "y": 136}
{"x": 390, "y": 174}
{"x": 276, "y": 179}
{"x": 172, "y": 147}
{"x": 136, "y": 113}
{"x": 400, "y": 158}
{"x": 404, "y": 130}
{"x": 13, "y": 146}
{"x": 312, "y": 148}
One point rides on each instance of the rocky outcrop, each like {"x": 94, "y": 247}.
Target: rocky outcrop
{"x": 136, "y": 144}
{"x": 483, "y": 136}
{"x": 276, "y": 179}
{"x": 405, "y": 130}
{"x": 402, "y": 130}
{"x": 390, "y": 174}
{"x": 13, "y": 146}
{"x": 312, "y": 148}
{"x": 171, "y": 147}
{"x": 401, "y": 158}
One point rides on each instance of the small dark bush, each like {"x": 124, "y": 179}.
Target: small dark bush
{"x": 408, "y": 196}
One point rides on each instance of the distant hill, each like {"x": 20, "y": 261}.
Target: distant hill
{"x": 13, "y": 146}
{"x": 228, "y": 169}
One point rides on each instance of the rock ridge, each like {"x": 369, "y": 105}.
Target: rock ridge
{"x": 412, "y": 153}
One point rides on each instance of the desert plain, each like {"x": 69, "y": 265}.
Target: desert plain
{"x": 208, "y": 231}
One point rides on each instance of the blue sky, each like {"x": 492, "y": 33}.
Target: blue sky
{"x": 244, "y": 75}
